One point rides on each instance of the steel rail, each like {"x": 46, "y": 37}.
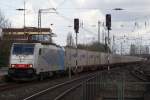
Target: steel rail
{"x": 71, "y": 89}
{"x": 55, "y": 86}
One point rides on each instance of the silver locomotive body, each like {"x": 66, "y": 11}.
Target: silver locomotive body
{"x": 29, "y": 60}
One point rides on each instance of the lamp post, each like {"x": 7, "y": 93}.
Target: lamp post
{"x": 23, "y": 9}
{"x": 48, "y": 10}
{"x": 117, "y": 9}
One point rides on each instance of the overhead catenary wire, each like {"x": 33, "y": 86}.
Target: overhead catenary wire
{"x": 70, "y": 20}
{"x": 62, "y": 3}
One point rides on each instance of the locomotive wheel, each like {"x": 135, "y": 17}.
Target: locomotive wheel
{"x": 93, "y": 68}
{"x": 79, "y": 69}
{"x": 50, "y": 74}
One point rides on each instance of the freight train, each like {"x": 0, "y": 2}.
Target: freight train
{"x": 37, "y": 60}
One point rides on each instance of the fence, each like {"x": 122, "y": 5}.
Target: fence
{"x": 108, "y": 86}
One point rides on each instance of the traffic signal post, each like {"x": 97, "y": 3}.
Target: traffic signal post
{"x": 76, "y": 28}
{"x": 108, "y": 25}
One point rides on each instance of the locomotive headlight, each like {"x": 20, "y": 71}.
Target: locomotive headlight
{"x": 12, "y": 65}
{"x": 30, "y": 65}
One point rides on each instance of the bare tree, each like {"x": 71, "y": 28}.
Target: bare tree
{"x": 4, "y": 23}
{"x": 4, "y": 45}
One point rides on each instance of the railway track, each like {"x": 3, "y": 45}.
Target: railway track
{"x": 56, "y": 92}
{"x": 7, "y": 86}
{"x": 23, "y": 90}
{"x": 14, "y": 85}
{"x": 10, "y": 86}
{"x": 138, "y": 73}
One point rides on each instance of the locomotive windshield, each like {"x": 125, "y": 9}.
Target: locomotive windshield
{"x": 25, "y": 49}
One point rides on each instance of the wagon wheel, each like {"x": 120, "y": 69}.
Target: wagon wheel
{"x": 41, "y": 77}
{"x": 80, "y": 69}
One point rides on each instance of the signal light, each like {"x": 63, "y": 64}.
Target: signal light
{"x": 108, "y": 21}
{"x": 76, "y": 25}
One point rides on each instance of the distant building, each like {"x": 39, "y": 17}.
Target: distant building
{"x": 147, "y": 50}
{"x": 23, "y": 33}
{"x": 26, "y": 30}
{"x": 132, "y": 49}
{"x": 138, "y": 49}
{"x": 144, "y": 50}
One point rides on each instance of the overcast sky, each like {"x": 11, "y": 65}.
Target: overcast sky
{"x": 133, "y": 21}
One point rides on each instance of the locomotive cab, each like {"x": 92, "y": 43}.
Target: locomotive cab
{"x": 22, "y": 60}
{"x": 35, "y": 60}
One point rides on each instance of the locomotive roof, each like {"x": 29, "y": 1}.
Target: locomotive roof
{"x": 53, "y": 44}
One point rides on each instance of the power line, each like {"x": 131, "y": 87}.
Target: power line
{"x": 61, "y": 3}
{"x": 7, "y": 5}
{"x": 70, "y": 20}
